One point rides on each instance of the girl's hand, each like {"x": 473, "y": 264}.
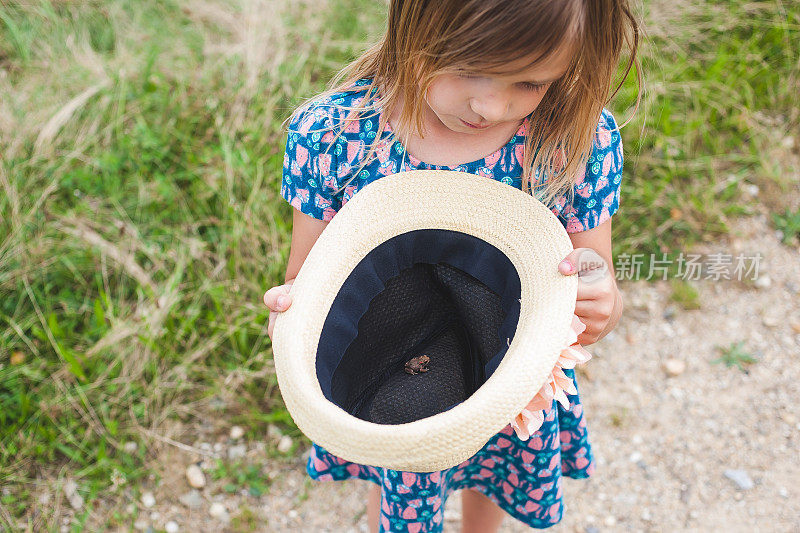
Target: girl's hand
{"x": 599, "y": 303}
{"x": 277, "y": 299}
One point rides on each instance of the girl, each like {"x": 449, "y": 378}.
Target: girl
{"x": 509, "y": 89}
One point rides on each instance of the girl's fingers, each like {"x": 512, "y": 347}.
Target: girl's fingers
{"x": 594, "y": 290}
{"x": 278, "y": 298}
{"x": 584, "y": 308}
{"x": 568, "y": 265}
{"x": 585, "y": 262}
{"x": 594, "y": 309}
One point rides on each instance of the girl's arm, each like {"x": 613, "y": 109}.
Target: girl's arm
{"x": 599, "y": 302}
{"x": 305, "y": 232}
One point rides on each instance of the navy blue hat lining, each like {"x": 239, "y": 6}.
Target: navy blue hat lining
{"x": 444, "y": 294}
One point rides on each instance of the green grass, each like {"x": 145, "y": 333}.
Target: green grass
{"x": 721, "y": 85}
{"x": 735, "y": 355}
{"x": 140, "y": 220}
{"x": 238, "y": 475}
{"x": 139, "y": 230}
{"x": 684, "y": 294}
{"x": 789, "y": 225}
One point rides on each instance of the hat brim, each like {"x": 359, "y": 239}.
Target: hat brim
{"x": 515, "y": 223}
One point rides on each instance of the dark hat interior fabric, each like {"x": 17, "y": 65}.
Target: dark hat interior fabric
{"x": 444, "y": 294}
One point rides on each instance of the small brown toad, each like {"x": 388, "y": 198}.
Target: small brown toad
{"x": 415, "y": 365}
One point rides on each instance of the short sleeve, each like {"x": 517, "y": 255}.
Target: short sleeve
{"x": 596, "y": 191}
{"x": 309, "y": 180}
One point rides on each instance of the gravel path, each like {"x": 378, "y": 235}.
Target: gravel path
{"x": 681, "y": 443}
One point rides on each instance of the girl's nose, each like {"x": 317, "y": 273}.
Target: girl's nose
{"x": 491, "y": 106}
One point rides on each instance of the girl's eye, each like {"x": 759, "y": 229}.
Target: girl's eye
{"x": 533, "y": 86}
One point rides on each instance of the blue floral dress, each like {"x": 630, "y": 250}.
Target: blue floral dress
{"x": 523, "y": 477}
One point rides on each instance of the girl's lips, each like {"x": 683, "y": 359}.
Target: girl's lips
{"x": 471, "y": 125}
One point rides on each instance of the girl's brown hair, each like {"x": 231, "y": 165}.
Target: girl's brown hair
{"x": 426, "y": 38}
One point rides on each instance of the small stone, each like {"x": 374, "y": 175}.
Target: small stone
{"x": 195, "y": 476}
{"x": 630, "y": 338}
{"x": 130, "y": 447}
{"x": 237, "y": 452}
{"x": 783, "y": 493}
{"x": 218, "y": 511}
{"x": 770, "y": 321}
{"x": 795, "y": 323}
{"x": 635, "y": 457}
{"x": 669, "y": 313}
{"x": 751, "y": 189}
{"x": 684, "y": 497}
{"x": 292, "y": 514}
{"x": 285, "y": 444}
{"x": 141, "y": 525}
{"x": 763, "y": 282}
{"x": 739, "y": 477}
{"x": 610, "y": 521}
{"x": 171, "y": 527}
{"x": 148, "y": 500}
{"x": 674, "y": 367}
{"x": 591, "y": 529}
{"x": 192, "y": 499}
{"x": 274, "y": 432}
{"x": 237, "y": 432}
{"x": 71, "y": 492}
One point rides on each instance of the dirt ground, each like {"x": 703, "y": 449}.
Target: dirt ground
{"x": 703, "y": 448}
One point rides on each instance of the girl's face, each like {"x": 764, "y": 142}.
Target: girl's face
{"x": 476, "y": 103}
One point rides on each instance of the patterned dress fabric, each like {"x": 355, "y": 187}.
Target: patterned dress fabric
{"x": 522, "y": 477}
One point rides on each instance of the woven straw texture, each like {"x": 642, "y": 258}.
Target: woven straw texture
{"x": 514, "y": 222}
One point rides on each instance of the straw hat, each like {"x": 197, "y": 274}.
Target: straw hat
{"x": 426, "y": 316}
